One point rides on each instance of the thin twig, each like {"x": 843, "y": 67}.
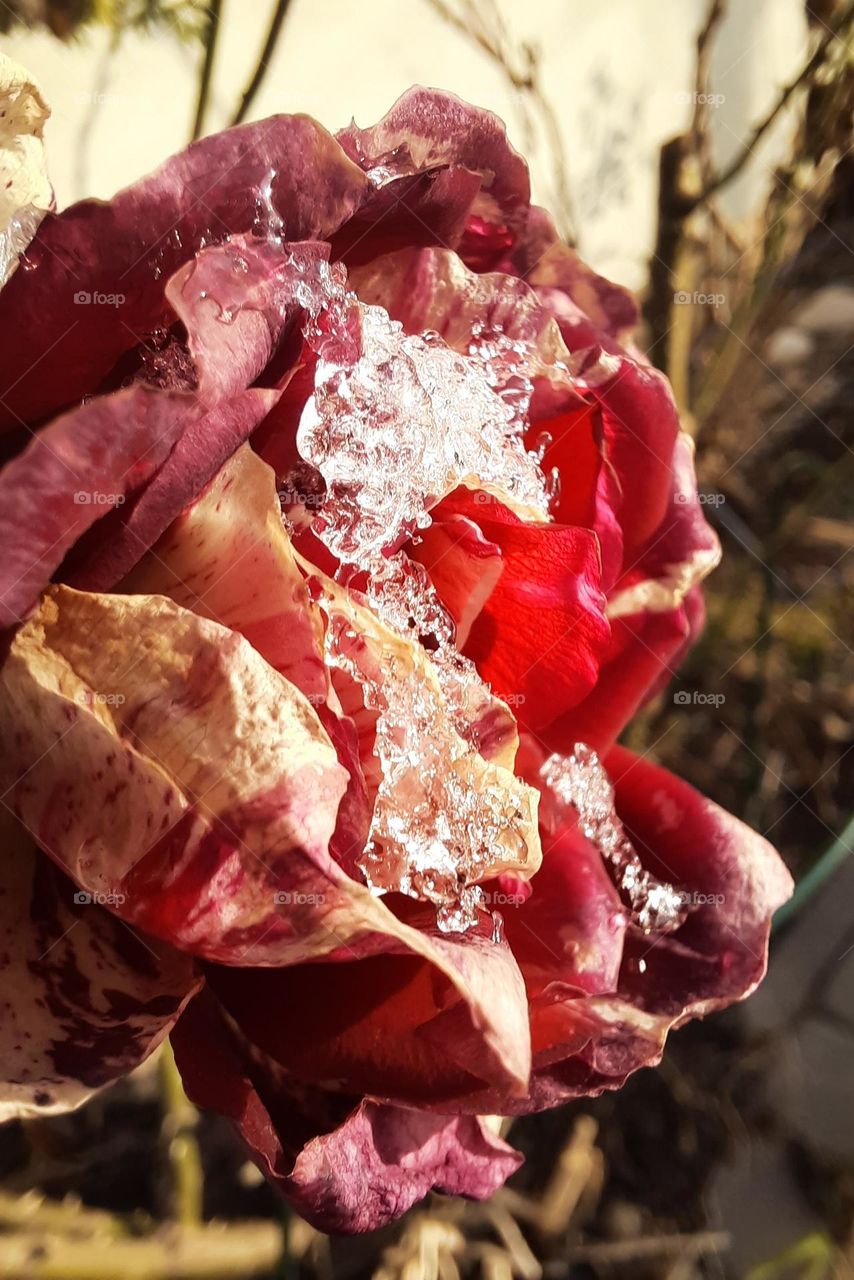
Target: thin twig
{"x": 702, "y": 84}
{"x": 734, "y": 168}
{"x": 523, "y": 73}
{"x": 279, "y": 14}
{"x": 211, "y": 36}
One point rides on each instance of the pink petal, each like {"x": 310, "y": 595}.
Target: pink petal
{"x": 128, "y": 246}
{"x": 427, "y": 128}
{"x": 236, "y": 300}
{"x": 73, "y": 473}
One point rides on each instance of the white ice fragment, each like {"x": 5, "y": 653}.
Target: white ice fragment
{"x": 580, "y": 781}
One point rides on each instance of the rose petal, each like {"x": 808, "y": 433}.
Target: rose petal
{"x": 597, "y": 306}
{"x": 117, "y": 543}
{"x": 73, "y": 473}
{"x": 464, "y": 567}
{"x": 427, "y": 128}
{"x": 733, "y": 878}
{"x": 397, "y": 1027}
{"x": 540, "y": 634}
{"x": 85, "y": 999}
{"x": 228, "y": 558}
{"x": 679, "y": 554}
{"x": 220, "y": 784}
{"x": 346, "y": 1167}
{"x": 430, "y": 207}
{"x": 236, "y": 300}
{"x": 640, "y": 657}
{"x": 126, "y": 247}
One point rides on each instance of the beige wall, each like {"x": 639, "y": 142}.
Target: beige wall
{"x": 618, "y": 71}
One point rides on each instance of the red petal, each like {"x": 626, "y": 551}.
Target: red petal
{"x": 345, "y": 1167}
{"x": 396, "y": 1027}
{"x": 464, "y": 567}
{"x": 541, "y": 632}
{"x": 734, "y": 878}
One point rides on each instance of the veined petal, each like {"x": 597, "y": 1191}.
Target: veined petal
{"x": 85, "y": 998}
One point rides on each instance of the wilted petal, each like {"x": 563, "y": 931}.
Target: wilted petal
{"x": 427, "y": 128}
{"x": 382, "y": 1160}
{"x": 733, "y": 881}
{"x": 169, "y": 763}
{"x": 347, "y": 1166}
{"x": 236, "y": 301}
{"x": 127, "y": 247}
{"x": 228, "y": 558}
{"x": 85, "y": 998}
{"x": 115, "y": 544}
{"x": 72, "y": 473}
{"x": 424, "y": 208}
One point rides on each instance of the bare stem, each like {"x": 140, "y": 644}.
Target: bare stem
{"x": 211, "y": 36}
{"x": 734, "y": 168}
{"x": 179, "y": 1131}
{"x": 279, "y": 14}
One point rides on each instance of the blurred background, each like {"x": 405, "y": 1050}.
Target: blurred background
{"x": 699, "y": 152}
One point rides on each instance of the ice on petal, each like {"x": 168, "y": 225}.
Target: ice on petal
{"x": 396, "y": 422}
{"x": 580, "y": 781}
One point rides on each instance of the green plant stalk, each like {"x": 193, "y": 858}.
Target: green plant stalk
{"x": 179, "y": 1124}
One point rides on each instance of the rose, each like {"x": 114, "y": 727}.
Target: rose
{"x": 314, "y": 822}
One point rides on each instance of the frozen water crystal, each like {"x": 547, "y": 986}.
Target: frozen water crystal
{"x": 443, "y": 819}
{"x": 397, "y": 421}
{"x": 579, "y": 780}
